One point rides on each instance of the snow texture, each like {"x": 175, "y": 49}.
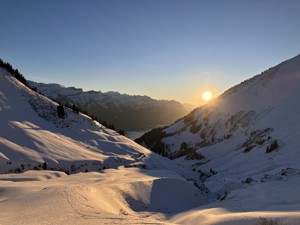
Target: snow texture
{"x": 236, "y": 183}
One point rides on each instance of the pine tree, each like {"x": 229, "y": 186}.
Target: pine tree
{"x": 45, "y": 166}
{"x": 60, "y": 111}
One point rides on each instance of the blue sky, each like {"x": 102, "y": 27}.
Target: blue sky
{"x": 166, "y": 49}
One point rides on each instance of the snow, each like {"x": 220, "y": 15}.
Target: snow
{"x": 134, "y": 196}
{"x": 113, "y": 195}
{"x": 277, "y": 200}
{"x": 262, "y": 109}
{"x": 128, "y": 184}
{"x": 30, "y": 140}
{"x": 233, "y": 132}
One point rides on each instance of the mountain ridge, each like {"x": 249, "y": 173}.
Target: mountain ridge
{"x": 249, "y": 119}
{"x": 36, "y": 135}
{"x": 128, "y": 112}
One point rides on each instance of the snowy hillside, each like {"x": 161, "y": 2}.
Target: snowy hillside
{"x": 248, "y": 134}
{"x": 32, "y": 136}
{"x": 127, "y": 112}
{"x": 72, "y": 170}
{"x": 36, "y": 141}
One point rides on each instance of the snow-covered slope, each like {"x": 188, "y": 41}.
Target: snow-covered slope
{"x": 243, "y": 186}
{"x": 131, "y": 196}
{"x": 127, "y": 112}
{"x": 112, "y": 197}
{"x": 32, "y": 136}
{"x": 249, "y": 133}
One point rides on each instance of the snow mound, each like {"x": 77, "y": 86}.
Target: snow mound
{"x": 131, "y": 196}
{"x": 32, "y": 176}
{"x": 114, "y": 195}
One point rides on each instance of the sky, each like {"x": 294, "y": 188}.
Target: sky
{"x": 166, "y": 49}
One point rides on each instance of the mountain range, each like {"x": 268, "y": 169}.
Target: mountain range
{"x": 126, "y": 112}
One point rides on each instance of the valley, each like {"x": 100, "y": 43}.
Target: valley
{"x": 232, "y": 161}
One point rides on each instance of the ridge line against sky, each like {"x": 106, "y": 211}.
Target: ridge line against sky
{"x": 163, "y": 49}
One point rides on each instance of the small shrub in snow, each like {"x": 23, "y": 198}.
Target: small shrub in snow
{"x": 18, "y": 170}
{"x": 183, "y": 151}
{"x": 122, "y": 132}
{"x": 212, "y": 131}
{"x": 194, "y": 156}
{"x": 73, "y": 168}
{"x": 248, "y": 149}
{"x": 203, "y": 134}
{"x": 183, "y": 146}
{"x": 223, "y": 196}
{"x": 260, "y": 142}
{"x": 266, "y": 221}
{"x": 248, "y": 180}
{"x": 227, "y": 136}
{"x": 274, "y": 145}
{"x": 195, "y": 129}
{"x": 189, "y": 119}
{"x": 212, "y": 172}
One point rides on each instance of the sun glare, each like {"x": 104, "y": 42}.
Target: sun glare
{"x": 207, "y": 95}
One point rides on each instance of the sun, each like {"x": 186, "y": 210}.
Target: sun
{"x": 207, "y": 95}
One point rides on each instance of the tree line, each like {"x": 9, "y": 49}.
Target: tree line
{"x": 13, "y": 72}
{"x": 60, "y": 107}
{"x": 77, "y": 109}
